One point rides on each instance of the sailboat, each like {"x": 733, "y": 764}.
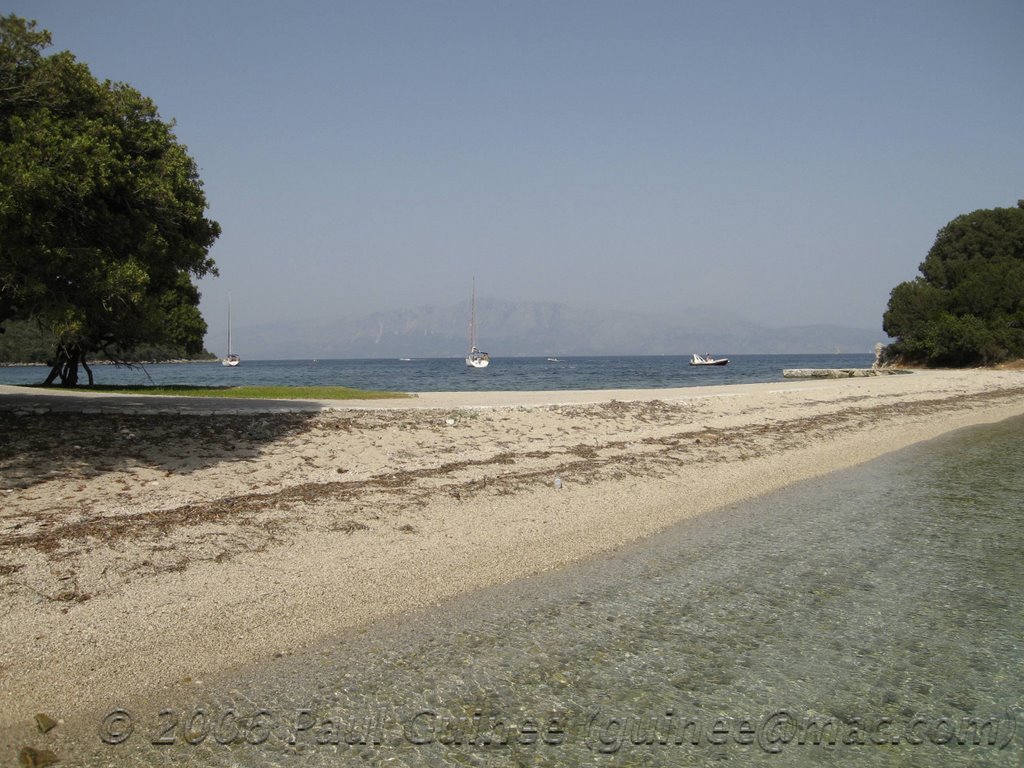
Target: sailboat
{"x": 475, "y": 358}
{"x": 232, "y": 359}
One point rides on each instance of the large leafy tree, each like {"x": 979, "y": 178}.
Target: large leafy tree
{"x": 967, "y": 306}
{"x": 102, "y": 212}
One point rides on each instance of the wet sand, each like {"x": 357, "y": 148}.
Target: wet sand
{"x": 141, "y": 551}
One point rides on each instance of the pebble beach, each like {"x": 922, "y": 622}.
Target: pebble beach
{"x": 146, "y": 549}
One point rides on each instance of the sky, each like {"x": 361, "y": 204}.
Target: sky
{"x": 789, "y": 161}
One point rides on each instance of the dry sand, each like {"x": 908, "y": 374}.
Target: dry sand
{"x": 144, "y": 552}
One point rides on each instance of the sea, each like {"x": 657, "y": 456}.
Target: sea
{"x": 453, "y": 375}
{"x": 870, "y": 617}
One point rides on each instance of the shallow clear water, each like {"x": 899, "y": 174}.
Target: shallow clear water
{"x": 452, "y": 375}
{"x": 881, "y": 606}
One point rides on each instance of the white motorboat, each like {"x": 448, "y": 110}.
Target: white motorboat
{"x": 708, "y": 360}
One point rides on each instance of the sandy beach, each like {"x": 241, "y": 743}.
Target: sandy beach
{"x": 146, "y": 552}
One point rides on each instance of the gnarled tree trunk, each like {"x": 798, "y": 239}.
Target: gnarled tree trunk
{"x": 66, "y": 366}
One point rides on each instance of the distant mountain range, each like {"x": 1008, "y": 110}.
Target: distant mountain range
{"x": 514, "y": 329}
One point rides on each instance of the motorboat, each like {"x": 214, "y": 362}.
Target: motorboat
{"x": 707, "y": 359}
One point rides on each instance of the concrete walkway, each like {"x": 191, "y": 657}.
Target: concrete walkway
{"x": 34, "y": 400}
{"x": 37, "y": 400}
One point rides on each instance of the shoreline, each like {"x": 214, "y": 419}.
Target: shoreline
{"x": 136, "y": 363}
{"x": 187, "y": 533}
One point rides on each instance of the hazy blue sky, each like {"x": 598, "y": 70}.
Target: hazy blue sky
{"x": 788, "y": 160}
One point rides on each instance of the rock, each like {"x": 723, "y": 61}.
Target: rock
{"x": 45, "y": 723}
{"x": 838, "y": 373}
{"x": 36, "y": 758}
{"x": 879, "y": 353}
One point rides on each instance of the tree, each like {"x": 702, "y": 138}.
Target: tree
{"x": 102, "y": 225}
{"x": 967, "y": 307}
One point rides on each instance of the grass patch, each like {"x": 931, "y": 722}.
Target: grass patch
{"x": 248, "y": 393}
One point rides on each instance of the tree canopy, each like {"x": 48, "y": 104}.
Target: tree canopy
{"x": 967, "y": 306}
{"x": 102, "y": 212}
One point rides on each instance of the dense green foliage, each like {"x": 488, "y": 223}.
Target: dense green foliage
{"x": 102, "y": 224}
{"x": 25, "y": 341}
{"x": 967, "y": 307}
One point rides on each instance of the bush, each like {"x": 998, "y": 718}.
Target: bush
{"x": 967, "y": 307}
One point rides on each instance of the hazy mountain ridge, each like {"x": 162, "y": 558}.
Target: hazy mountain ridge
{"x": 512, "y": 329}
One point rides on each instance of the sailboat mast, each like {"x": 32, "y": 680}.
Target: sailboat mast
{"x": 472, "y": 319}
{"x": 229, "y": 323}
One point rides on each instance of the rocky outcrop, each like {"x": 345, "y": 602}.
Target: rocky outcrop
{"x": 838, "y": 373}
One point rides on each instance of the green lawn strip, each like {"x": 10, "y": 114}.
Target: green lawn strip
{"x": 250, "y": 393}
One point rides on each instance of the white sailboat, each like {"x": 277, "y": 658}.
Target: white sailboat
{"x": 475, "y": 358}
{"x": 232, "y": 359}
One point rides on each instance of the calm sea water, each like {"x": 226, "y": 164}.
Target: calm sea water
{"x": 872, "y": 617}
{"x": 452, "y": 375}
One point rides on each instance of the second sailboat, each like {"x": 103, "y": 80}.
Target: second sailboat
{"x": 475, "y": 358}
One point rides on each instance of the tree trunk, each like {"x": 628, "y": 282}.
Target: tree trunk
{"x": 54, "y": 373}
{"x": 66, "y": 367}
{"x": 70, "y": 377}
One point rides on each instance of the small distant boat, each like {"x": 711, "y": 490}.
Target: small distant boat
{"x": 708, "y": 360}
{"x": 554, "y": 360}
{"x": 405, "y": 359}
{"x": 232, "y": 360}
{"x": 475, "y": 358}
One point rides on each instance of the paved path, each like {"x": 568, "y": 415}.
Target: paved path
{"x": 36, "y": 400}
{"x": 30, "y": 400}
